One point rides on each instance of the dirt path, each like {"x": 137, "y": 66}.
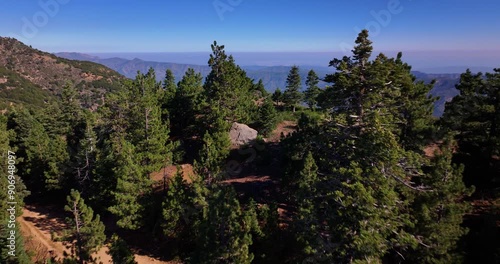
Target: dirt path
{"x": 285, "y": 128}
{"x": 37, "y": 228}
{"x": 39, "y": 222}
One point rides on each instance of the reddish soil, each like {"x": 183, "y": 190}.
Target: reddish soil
{"x": 249, "y": 179}
{"x": 38, "y": 223}
{"x": 285, "y": 127}
{"x": 431, "y": 150}
{"x": 158, "y": 177}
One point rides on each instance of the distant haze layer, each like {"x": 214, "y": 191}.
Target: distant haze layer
{"x": 425, "y": 61}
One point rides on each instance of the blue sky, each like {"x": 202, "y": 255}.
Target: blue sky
{"x": 92, "y": 26}
{"x": 251, "y": 25}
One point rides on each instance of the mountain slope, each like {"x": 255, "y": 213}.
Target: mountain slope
{"x": 30, "y": 76}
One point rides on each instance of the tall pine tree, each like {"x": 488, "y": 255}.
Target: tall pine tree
{"x": 228, "y": 88}
{"x": 292, "y": 95}
{"x": 86, "y": 229}
{"x": 312, "y": 92}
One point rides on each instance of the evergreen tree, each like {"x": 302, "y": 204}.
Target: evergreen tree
{"x": 43, "y": 158}
{"x": 259, "y": 89}
{"x": 120, "y": 252}
{"x": 169, "y": 85}
{"x": 370, "y": 174}
{"x": 277, "y": 96}
{"x": 306, "y": 227}
{"x": 135, "y": 142}
{"x": 178, "y": 202}
{"x": 132, "y": 185}
{"x": 19, "y": 255}
{"x": 113, "y": 126}
{"x": 267, "y": 118}
{"x": 71, "y": 112}
{"x": 188, "y": 104}
{"x": 47, "y": 157}
{"x": 215, "y": 148}
{"x": 473, "y": 116}
{"x": 439, "y": 212}
{"x": 148, "y": 132}
{"x": 407, "y": 100}
{"x": 224, "y": 234}
{"x": 292, "y": 95}
{"x": 183, "y": 210}
{"x": 167, "y": 95}
{"x": 228, "y": 88}
{"x": 349, "y": 88}
{"x": 86, "y": 229}
{"x": 85, "y": 158}
{"x": 312, "y": 92}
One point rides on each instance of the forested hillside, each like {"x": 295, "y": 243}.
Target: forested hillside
{"x": 34, "y": 77}
{"x": 357, "y": 170}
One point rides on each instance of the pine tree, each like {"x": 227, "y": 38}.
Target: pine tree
{"x": 177, "y": 206}
{"x": 20, "y": 255}
{"x": 166, "y": 97}
{"x": 224, "y": 234}
{"x": 86, "y": 229}
{"x": 407, "y": 100}
{"x": 135, "y": 142}
{"x": 188, "y": 104}
{"x": 292, "y": 95}
{"x": 85, "y": 159}
{"x": 474, "y": 116}
{"x": 350, "y": 82}
{"x": 228, "y": 88}
{"x": 215, "y": 148}
{"x": 306, "y": 227}
{"x": 259, "y": 89}
{"x": 439, "y": 212}
{"x": 113, "y": 126}
{"x": 120, "y": 252}
{"x": 278, "y": 98}
{"x": 43, "y": 158}
{"x": 267, "y": 117}
{"x": 169, "y": 85}
{"x": 132, "y": 185}
{"x": 70, "y": 110}
{"x": 148, "y": 132}
{"x": 312, "y": 92}
{"x": 370, "y": 171}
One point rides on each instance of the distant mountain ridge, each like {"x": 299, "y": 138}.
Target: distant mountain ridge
{"x": 129, "y": 68}
{"x": 33, "y": 77}
{"x": 272, "y": 76}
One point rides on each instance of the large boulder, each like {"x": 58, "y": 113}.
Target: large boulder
{"x": 241, "y": 134}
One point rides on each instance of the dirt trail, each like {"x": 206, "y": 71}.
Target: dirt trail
{"x": 37, "y": 227}
{"x": 37, "y": 224}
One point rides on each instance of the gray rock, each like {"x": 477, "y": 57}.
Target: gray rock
{"x": 241, "y": 134}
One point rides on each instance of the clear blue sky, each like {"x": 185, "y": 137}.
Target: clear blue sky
{"x": 250, "y": 25}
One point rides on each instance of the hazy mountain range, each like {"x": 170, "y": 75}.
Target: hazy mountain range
{"x": 32, "y": 76}
{"x": 272, "y": 76}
